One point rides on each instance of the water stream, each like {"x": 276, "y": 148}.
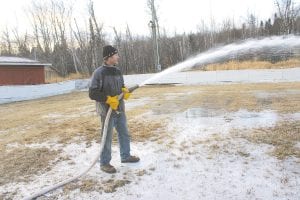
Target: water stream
{"x": 270, "y": 44}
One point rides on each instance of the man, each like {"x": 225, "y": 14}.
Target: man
{"x": 106, "y": 84}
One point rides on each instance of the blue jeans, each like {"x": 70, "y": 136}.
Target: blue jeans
{"x": 119, "y": 122}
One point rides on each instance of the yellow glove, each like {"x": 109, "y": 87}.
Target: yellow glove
{"x": 126, "y": 93}
{"x": 113, "y": 102}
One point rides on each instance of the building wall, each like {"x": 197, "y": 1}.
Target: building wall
{"x": 22, "y": 75}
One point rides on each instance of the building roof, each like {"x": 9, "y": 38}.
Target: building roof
{"x": 17, "y": 61}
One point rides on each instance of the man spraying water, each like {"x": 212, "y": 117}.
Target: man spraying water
{"x": 106, "y": 84}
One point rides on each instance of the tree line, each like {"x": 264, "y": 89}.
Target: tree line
{"x": 57, "y": 38}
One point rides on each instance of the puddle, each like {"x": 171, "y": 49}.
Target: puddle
{"x": 241, "y": 118}
{"x": 246, "y": 119}
{"x": 202, "y": 112}
{"x": 203, "y": 121}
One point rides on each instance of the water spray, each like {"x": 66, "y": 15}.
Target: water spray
{"x": 274, "y": 44}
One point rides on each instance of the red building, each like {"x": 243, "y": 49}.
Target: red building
{"x": 21, "y": 71}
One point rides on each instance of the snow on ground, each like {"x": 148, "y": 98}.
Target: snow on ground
{"x": 193, "y": 174}
{"x": 181, "y": 166}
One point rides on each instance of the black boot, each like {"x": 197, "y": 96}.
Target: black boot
{"x": 108, "y": 169}
{"x": 131, "y": 159}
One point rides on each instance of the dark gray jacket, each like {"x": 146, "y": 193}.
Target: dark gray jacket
{"x": 106, "y": 81}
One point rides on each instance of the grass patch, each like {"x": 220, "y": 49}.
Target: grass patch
{"x": 142, "y": 129}
{"x": 111, "y": 185}
{"x": 141, "y": 172}
{"x": 229, "y": 97}
{"x": 29, "y": 121}
{"x": 74, "y": 114}
{"x": 236, "y": 65}
{"x": 19, "y": 164}
{"x": 108, "y": 186}
{"x": 284, "y": 136}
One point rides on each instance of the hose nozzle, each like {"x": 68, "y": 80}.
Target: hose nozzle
{"x": 131, "y": 89}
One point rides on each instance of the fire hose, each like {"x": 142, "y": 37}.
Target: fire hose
{"x": 103, "y": 139}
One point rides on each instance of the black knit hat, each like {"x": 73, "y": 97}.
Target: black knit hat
{"x": 109, "y": 51}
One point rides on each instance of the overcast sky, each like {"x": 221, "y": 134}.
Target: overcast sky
{"x": 174, "y": 15}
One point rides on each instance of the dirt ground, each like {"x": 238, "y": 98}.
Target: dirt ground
{"x": 71, "y": 118}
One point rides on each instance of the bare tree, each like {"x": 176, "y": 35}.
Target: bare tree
{"x": 288, "y": 13}
{"x": 22, "y": 43}
{"x": 97, "y": 37}
{"x": 7, "y": 47}
{"x": 50, "y": 21}
{"x": 82, "y": 51}
{"x": 155, "y": 33}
